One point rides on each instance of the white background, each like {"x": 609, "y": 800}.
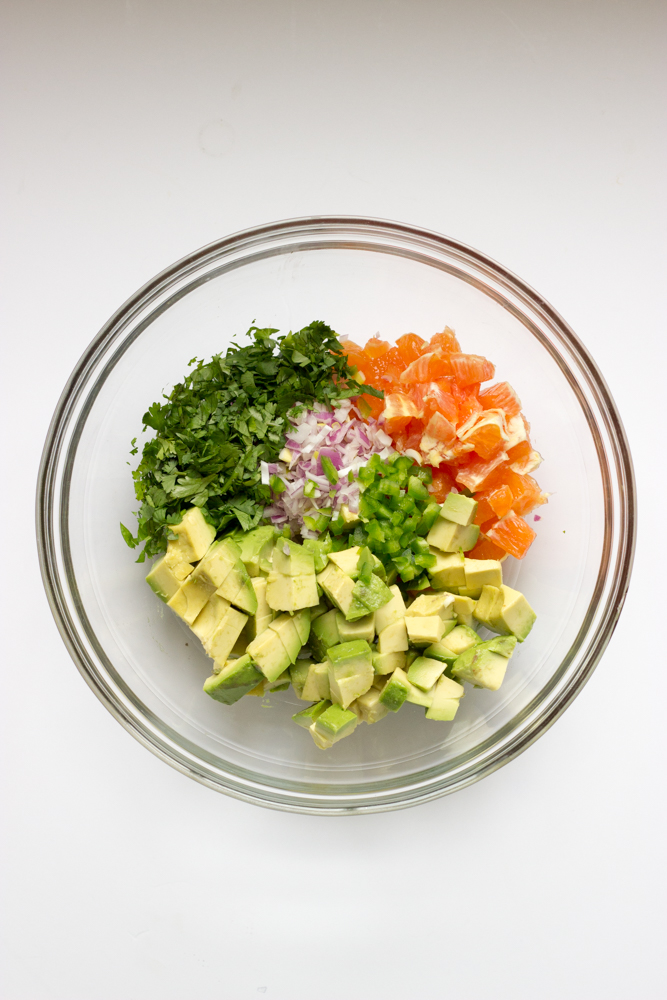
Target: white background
{"x": 137, "y": 130}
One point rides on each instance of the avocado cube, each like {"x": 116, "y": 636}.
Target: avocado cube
{"x": 256, "y": 546}
{"x": 258, "y": 690}
{"x": 350, "y": 671}
{"x": 460, "y": 639}
{"x": 237, "y": 678}
{"x": 298, "y": 673}
{"x": 291, "y": 593}
{"x": 309, "y": 715}
{"x": 324, "y": 633}
{"x": 515, "y": 615}
{"x": 448, "y": 570}
{"x": 263, "y": 617}
{"x": 450, "y": 537}
{"x": 418, "y": 697}
{"x": 269, "y": 654}
{"x": 210, "y": 617}
{"x": 219, "y": 561}
{"x": 392, "y": 611}
{"x": 349, "y": 517}
{"x": 446, "y": 699}
{"x": 427, "y": 605}
{"x": 439, "y": 651}
{"x": 291, "y": 559}
{"x": 369, "y": 597}
{"x": 316, "y": 686}
{"x": 220, "y": 642}
{"x": 386, "y": 663}
{"x": 194, "y": 535}
{"x": 332, "y": 725}
{"x": 369, "y": 707}
{"x": 393, "y": 638}
{"x": 339, "y": 588}
{"x": 173, "y": 559}
{"x": 319, "y": 548}
{"x": 319, "y": 609}
{"x": 281, "y": 683}
{"x": 481, "y": 667}
{"x": 234, "y": 582}
{"x": 424, "y": 672}
{"x": 285, "y": 628}
{"x": 480, "y": 573}
{"x": 503, "y": 644}
{"x": 347, "y": 560}
{"x": 363, "y": 628}
{"x": 190, "y": 598}
{"x": 489, "y": 606}
{"x": 464, "y": 608}
{"x": 459, "y": 508}
{"x": 424, "y": 631}
{"x": 395, "y": 690}
{"x": 301, "y": 621}
{"x": 163, "y": 580}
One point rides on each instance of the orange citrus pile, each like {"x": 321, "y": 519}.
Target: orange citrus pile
{"x": 474, "y": 439}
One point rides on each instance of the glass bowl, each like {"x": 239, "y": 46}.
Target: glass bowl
{"x": 363, "y": 277}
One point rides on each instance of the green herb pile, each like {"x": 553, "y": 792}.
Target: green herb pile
{"x": 227, "y": 416}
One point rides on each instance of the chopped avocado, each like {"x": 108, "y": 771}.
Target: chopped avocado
{"x": 370, "y": 707}
{"x": 363, "y": 628}
{"x": 190, "y": 598}
{"x": 460, "y": 639}
{"x": 309, "y": 715}
{"x": 439, "y": 651}
{"x": 418, "y": 697}
{"x": 386, "y": 663}
{"x": 392, "y": 611}
{"x": 319, "y": 610}
{"x": 163, "y": 580}
{"x": 319, "y": 548}
{"x": 427, "y": 605}
{"x": 269, "y": 654}
{"x": 423, "y": 631}
{"x": 350, "y": 671}
{"x": 291, "y": 559}
{"x": 459, "y": 508}
{"x": 219, "y": 561}
{"x": 395, "y": 690}
{"x": 489, "y": 606}
{"x": 282, "y": 683}
{"x": 324, "y": 633}
{"x": 263, "y": 616}
{"x": 339, "y": 588}
{"x": 515, "y": 616}
{"x": 393, "y": 638}
{"x": 291, "y": 593}
{"x": 285, "y": 627}
{"x": 173, "y": 558}
{"x": 503, "y": 644}
{"x": 347, "y": 560}
{"x": 448, "y": 570}
{"x": 349, "y": 517}
{"x": 481, "y": 667}
{"x": 301, "y": 621}
{"x": 446, "y": 699}
{"x": 194, "y": 535}
{"x": 210, "y": 617}
{"x": 369, "y": 596}
{"x": 424, "y": 672}
{"x": 237, "y": 588}
{"x": 237, "y": 678}
{"x": 220, "y": 642}
{"x": 332, "y": 725}
{"x": 316, "y": 686}
{"x": 463, "y": 609}
{"x": 256, "y": 546}
{"x": 259, "y": 689}
{"x": 298, "y": 673}
{"x": 480, "y": 573}
{"x": 450, "y": 537}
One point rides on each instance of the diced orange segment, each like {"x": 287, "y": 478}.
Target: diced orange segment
{"x": 486, "y": 549}
{"x": 470, "y": 368}
{"x": 501, "y": 500}
{"x": 445, "y": 342}
{"x": 375, "y": 347}
{"x": 512, "y": 534}
{"x": 519, "y": 452}
{"x": 410, "y": 347}
{"x": 487, "y": 435}
{"x": 485, "y": 511}
{"x": 443, "y": 483}
{"x": 399, "y": 410}
{"x": 466, "y": 401}
{"x": 425, "y": 368}
{"x": 501, "y": 396}
{"x": 369, "y": 406}
{"x": 440, "y": 429}
{"x": 349, "y": 347}
{"x": 476, "y": 472}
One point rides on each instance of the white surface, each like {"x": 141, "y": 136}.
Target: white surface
{"x": 136, "y": 132}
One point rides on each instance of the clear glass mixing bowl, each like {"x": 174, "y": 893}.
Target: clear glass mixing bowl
{"x": 362, "y": 276}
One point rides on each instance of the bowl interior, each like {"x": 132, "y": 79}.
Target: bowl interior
{"x": 151, "y": 659}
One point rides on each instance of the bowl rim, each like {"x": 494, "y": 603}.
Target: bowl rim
{"x": 51, "y": 527}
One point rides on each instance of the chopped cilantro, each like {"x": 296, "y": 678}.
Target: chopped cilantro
{"x": 222, "y": 420}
